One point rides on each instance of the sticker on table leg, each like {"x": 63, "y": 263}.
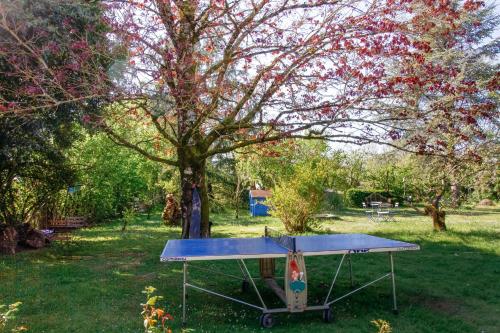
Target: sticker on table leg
{"x": 296, "y": 282}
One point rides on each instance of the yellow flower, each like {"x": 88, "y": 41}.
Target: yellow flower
{"x": 148, "y": 322}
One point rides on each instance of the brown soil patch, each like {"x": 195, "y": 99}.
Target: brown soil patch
{"x": 444, "y": 305}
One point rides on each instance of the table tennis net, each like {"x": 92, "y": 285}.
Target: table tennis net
{"x": 282, "y": 239}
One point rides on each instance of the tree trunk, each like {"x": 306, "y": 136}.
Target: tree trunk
{"x": 455, "y": 194}
{"x": 237, "y": 197}
{"x": 193, "y": 175}
{"x": 437, "y": 215}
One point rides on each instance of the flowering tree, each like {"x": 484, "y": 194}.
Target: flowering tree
{"x": 52, "y": 53}
{"x": 451, "y": 87}
{"x": 213, "y": 76}
{"x": 48, "y": 56}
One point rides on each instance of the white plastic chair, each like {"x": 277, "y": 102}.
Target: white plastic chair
{"x": 369, "y": 213}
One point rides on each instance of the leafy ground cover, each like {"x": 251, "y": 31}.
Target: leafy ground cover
{"x": 93, "y": 282}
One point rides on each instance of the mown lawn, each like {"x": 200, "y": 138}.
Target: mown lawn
{"x": 93, "y": 283}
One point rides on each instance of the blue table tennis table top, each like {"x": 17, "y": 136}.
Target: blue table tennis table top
{"x": 265, "y": 247}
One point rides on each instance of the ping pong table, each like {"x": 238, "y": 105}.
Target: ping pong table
{"x": 293, "y": 291}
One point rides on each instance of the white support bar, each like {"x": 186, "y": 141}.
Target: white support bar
{"x": 226, "y": 297}
{"x": 253, "y": 284}
{"x": 393, "y": 279}
{"x": 334, "y": 279}
{"x": 358, "y": 289}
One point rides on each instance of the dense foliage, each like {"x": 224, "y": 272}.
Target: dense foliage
{"x": 355, "y": 197}
{"x": 418, "y": 76}
{"x": 40, "y": 48}
{"x": 52, "y": 53}
{"x": 298, "y": 186}
{"x": 109, "y": 180}
{"x": 32, "y": 163}
{"x": 294, "y": 200}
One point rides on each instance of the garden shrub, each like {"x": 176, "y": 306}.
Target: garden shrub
{"x": 293, "y": 208}
{"x": 355, "y": 197}
{"x": 333, "y": 201}
{"x": 296, "y": 199}
{"x": 128, "y": 217}
{"x": 110, "y": 179}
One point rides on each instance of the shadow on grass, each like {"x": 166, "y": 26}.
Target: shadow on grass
{"x": 475, "y": 212}
{"x": 448, "y": 286}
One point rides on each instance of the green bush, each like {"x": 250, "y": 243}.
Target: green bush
{"x": 333, "y": 201}
{"x": 294, "y": 200}
{"x": 293, "y": 208}
{"x": 354, "y": 197}
{"x": 110, "y": 179}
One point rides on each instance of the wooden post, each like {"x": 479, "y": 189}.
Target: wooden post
{"x": 267, "y": 268}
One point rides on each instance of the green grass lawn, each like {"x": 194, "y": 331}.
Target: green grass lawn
{"x": 93, "y": 283}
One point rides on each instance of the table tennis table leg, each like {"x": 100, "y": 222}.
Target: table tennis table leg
{"x": 395, "y": 308}
{"x": 246, "y": 283}
{"x": 350, "y": 270}
{"x": 249, "y": 276}
{"x": 184, "y": 272}
{"x": 334, "y": 280}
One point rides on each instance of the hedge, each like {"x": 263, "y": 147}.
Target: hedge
{"x": 355, "y": 197}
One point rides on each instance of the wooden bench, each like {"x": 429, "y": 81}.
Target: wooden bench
{"x": 72, "y": 222}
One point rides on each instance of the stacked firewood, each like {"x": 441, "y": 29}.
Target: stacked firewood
{"x": 171, "y": 213}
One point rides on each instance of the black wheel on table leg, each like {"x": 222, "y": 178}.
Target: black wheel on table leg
{"x": 266, "y": 320}
{"x": 245, "y": 286}
{"x": 327, "y": 315}
{"x": 395, "y": 311}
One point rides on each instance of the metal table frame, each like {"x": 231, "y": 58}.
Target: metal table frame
{"x": 246, "y": 276}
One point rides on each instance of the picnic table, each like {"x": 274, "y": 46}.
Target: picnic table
{"x": 380, "y": 211}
